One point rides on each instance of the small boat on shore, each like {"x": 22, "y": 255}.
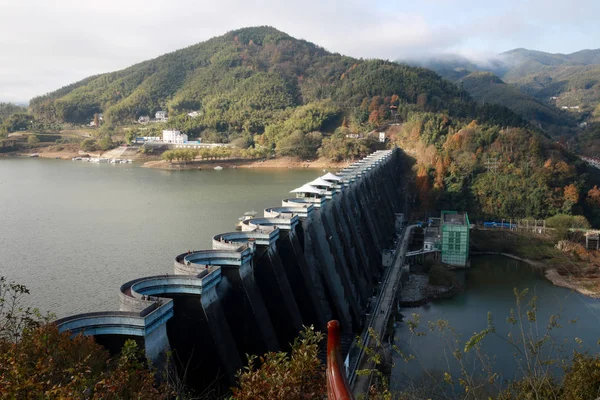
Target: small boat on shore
{"x": 218, "y": 168}
{"x": 34, "y": 155}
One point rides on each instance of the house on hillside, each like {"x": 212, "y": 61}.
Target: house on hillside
{"x": 193, "y": 114}
{"x": 144, "y": 119}
{"x": 174, "y": 136}
{"x": 161, "y": 116}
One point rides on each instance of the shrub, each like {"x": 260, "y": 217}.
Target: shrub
{"x": 88, "y": 145}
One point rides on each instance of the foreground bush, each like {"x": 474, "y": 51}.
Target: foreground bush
{"x": 294, "y": 376}
{"x": 38, "y": 362}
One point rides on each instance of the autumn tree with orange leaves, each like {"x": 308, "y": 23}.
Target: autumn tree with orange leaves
{"x": 571, "y": 196}
{"x": 593, "y": 197}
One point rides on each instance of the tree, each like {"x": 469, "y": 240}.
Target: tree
{"x": 131, "y": 135}
{"x": 33, "y": 140}
{"x": 105, "y": 143}
{"x": 16, "y": 122}
{"x": 168, "y": 155}
{"x": 36, "y": 361}
{"x": 88, "y": 145}
{"x": 294, "y": 376}
{"x": 423, "y": 187}
{"x": 299, "y": 145}
{"x": 593, "y": 197}
{"x": 571, "y": 196}
{"x": 562, "y": 224}
{"x": 582, "y": 377}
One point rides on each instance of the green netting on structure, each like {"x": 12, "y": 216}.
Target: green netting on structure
{"x": 455, "y": 238}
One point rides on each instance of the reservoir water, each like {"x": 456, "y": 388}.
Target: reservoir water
{"x": 73, "y": 232}
{"x": 489, "y": 287}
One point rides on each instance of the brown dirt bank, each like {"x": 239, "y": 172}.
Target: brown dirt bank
{"x": 64, "y": 152}
{"x": 282, "y": 162}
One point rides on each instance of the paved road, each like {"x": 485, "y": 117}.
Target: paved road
{"x": 382, "y": 309}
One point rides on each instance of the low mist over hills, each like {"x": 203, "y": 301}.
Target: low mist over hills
{"x": 554, "y": 91}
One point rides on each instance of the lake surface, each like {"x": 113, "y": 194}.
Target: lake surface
{"x": 489, "y": 287}
{"x": 73, "y": 232}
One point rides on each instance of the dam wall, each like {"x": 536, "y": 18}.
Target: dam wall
{"x": 313, "y": 258}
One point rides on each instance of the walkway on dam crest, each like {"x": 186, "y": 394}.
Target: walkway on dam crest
{"x": 381, "y": 312}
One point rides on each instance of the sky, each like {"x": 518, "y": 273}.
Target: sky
{"x": 47, "y": 44}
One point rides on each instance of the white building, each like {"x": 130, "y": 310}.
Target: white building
{"x": 161, "y": 115}
{"x": 144, "y": 119}
{"x": 193, "y": 114}
{"x": 174, "y": 136}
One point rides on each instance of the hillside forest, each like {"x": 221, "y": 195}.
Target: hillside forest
{"x": 559, "y": 94}
{"x": 268, "y": 94}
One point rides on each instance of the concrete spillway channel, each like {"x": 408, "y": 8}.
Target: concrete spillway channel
{"x": 314, "y": 258}
{"x": 272, "y": 278}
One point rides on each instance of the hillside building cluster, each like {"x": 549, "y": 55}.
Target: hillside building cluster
{"x": 159, "y": 116}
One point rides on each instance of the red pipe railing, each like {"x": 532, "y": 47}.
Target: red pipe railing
{"x": 338, "y": 387}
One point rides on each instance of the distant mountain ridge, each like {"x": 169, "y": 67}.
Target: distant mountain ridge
{"x": 540, "y": 85}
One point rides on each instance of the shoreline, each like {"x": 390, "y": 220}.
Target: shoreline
{"x": 145, "y": 161}
{"x": 550, "y": 273}
{"x": 276, "y": 163}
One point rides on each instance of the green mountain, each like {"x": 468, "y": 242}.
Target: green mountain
{"x": 487, "y": 87}
{"x": 247, "y": 80}
{"x": 545, "y": 82}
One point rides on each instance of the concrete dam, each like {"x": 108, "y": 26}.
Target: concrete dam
{"x": 314, "y": 258}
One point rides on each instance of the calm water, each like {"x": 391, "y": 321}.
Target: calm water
{"x": 73, "y": 232}
{"x": 489, "y": 287}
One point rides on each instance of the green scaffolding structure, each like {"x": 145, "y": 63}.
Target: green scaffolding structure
{"x": 455, "y": 238}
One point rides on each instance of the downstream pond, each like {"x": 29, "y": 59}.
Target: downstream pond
{"x": 489, "y": 287}
{"x": 73, "y": 232}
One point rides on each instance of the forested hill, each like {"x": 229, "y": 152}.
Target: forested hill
{"x": 485, "y": 87}
{"x": 555, "y": 91}
{"x": 248, "y": 79}
{"x": 272, "y": 95}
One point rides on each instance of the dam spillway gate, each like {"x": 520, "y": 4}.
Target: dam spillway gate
{"x": 314, "y": 258}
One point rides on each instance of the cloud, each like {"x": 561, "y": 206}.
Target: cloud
{"x": 46, "y": 45}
